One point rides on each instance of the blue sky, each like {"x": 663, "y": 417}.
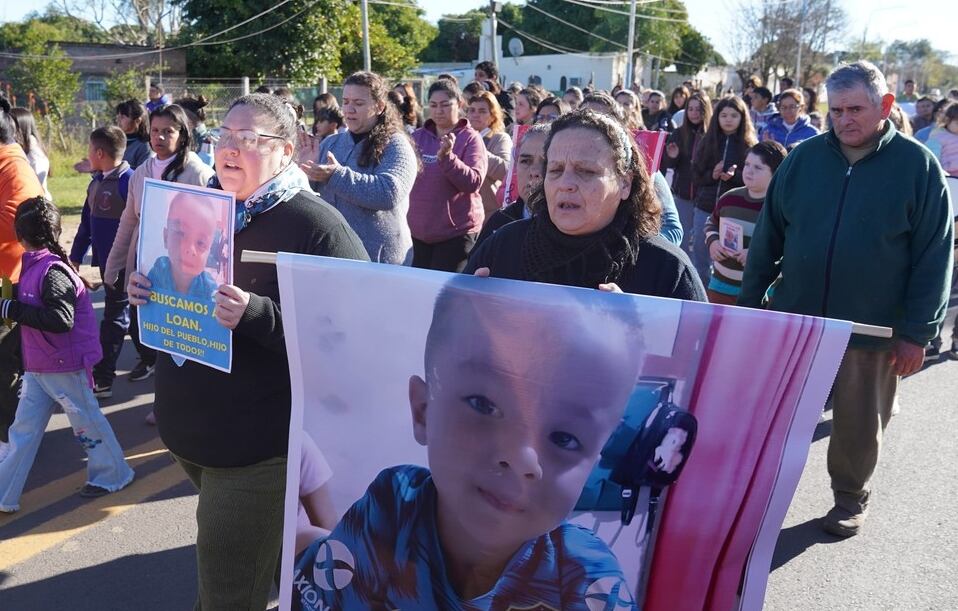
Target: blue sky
{"x": 889, "y": 19}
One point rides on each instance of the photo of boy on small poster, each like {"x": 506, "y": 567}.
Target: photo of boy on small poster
{"x": 185, "y": 250}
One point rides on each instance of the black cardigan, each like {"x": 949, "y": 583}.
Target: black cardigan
{"x": 661, "y": 269}
{"x": 217, "y": 419}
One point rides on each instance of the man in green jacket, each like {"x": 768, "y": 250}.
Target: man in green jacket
{"x": 858, "y": 223}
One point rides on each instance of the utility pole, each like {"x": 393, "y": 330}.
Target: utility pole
{"x": 367, "y": 61}
{"x": 629, "y": 65}
{"x": 494, "y": 8}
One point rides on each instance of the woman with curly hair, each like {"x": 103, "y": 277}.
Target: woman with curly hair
{"x": 368, "y": 172}
{"x": 595, "y": 220}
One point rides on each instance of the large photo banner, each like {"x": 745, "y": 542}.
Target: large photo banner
{"x": 476, "y": 443}
{"x": 186, "y": 250}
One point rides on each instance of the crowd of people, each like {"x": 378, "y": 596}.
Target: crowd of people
{"x": 756, "y": 203}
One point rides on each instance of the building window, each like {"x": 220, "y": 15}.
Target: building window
{"x": 575, "y": 81}
{"x": 95, "y": 91}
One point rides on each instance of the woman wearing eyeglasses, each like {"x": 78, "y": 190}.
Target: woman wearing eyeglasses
{"x": 174, "y": 160}
{"x": 445, "y": 207}
{"x": 791, "y": 125}
{"x": 229, "y": 431}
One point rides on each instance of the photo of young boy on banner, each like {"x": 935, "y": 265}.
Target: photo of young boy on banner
{"x": 519, "y": 445}
{"x": 185, "y": 249}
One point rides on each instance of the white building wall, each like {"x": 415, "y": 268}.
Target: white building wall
{"x": 604, "y": 70}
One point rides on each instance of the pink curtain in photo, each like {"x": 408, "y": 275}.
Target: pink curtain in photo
{"x": 754, "y": 365}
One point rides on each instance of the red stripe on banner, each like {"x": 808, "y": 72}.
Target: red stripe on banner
{"x": 713, "y": 513}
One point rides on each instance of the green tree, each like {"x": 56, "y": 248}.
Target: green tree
{"x": 406, "y": 26}
{"x": 122, "y": 86}
{"x": 52, "y": 26}
{"x": 45, "y": 70}
{"x": 397, "y": 36}
{"x": 303, "y": 44}
{"x": 457, "y": 38}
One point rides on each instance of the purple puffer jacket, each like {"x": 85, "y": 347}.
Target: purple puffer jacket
{"x": 45, "y": 352}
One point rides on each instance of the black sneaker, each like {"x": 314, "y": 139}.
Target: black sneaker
{"x": 90, "y": 491}
{"x": 953, "y": 353}
{"x": 102, "y": 391}
{"x": 141, "y": 372}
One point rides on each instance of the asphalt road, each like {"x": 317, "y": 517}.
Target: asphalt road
{"x": 133, "y": 549}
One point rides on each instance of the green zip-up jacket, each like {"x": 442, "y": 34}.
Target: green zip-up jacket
{"x": 870, "y": 242}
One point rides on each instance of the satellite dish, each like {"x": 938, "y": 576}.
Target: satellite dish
{"x": 516, "y": 49}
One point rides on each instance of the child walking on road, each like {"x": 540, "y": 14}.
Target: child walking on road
{"x": 60, "y": 346}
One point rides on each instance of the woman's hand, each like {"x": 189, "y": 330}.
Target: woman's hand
{"x": 672, "y": 150}
{"x": 728, "y": 175}
{"x": 83, "y": 166}
{"x": 307, "y": 148}
{"x": 320, "y": 172}
{"x": 741, "y": 256}
{"x": 138, "y": 289}
{"x": 717, "y": 170}
{"x": 231, "y": 302}
{"x": 445, "y": 145}
{"x": 482, "y": 272}
{"x": 610, "y": 287}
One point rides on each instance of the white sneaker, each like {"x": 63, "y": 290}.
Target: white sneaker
{"x": 4, "y": 450}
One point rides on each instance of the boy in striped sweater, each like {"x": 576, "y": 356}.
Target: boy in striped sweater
{"x": 729, "y": 229}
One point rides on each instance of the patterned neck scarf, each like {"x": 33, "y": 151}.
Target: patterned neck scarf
{"x": 282, "y": 187}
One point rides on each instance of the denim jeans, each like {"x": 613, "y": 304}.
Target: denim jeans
{"x": 686, "y": 208}
{"x": 39, "y": 396}
{"x": 700, "y": 252}
{"x": 113, "y": 327}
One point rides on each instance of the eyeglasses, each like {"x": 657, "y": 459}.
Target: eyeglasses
{"x": 549, "y": 118}
{"x": 243, "y": 139}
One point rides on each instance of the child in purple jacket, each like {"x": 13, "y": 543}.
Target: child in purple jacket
{"x": 60, "y": 345}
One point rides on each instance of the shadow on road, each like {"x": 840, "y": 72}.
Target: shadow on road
{"x": 794, "y": 540}
{"x": 164, "y": 580}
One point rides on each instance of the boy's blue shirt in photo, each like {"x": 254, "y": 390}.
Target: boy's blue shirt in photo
{"x": 161, "y": 279}
{"x": 385, "y": 554}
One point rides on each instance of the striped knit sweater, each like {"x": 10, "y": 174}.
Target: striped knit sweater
{"x": 735, "y": 214}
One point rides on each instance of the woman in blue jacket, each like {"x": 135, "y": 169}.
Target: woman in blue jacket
{"x": 791, "y": 125}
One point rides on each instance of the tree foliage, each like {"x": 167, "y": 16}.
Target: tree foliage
{"x": 304, "y": 44}
{"x": 662, "y": 31}
{"x": 397, "y": 36}
{"x": 771, "y": 44}
{"x": 52, "y": 26}
{"x": 126, "y": 85}
{"x": 46, "y": 71}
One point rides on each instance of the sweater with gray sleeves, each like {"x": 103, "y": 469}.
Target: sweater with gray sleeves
{"x": 374, "y": 200}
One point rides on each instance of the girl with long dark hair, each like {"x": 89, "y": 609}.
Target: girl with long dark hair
{"x": 719, "y": 159}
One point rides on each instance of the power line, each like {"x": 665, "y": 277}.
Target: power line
{"x": 575, "y": 27}
{"x": 626, "y": 13}
{"x": 648, "y": 3}
{"x": 551, "y": 46}
{"x": 201, "y": 42}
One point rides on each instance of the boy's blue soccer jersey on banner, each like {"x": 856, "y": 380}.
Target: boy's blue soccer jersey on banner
{"x": 385, "y": 554}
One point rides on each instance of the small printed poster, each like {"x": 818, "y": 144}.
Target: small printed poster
{"x": 186, "y": 249}
{"x": 732, "y": 234}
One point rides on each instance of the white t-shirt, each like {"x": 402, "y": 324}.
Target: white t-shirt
{"x": 40, "y": 164}
{"x": 159, "y": 166}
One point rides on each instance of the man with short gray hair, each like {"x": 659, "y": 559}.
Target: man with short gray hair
{"x": 858, "y": 223}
